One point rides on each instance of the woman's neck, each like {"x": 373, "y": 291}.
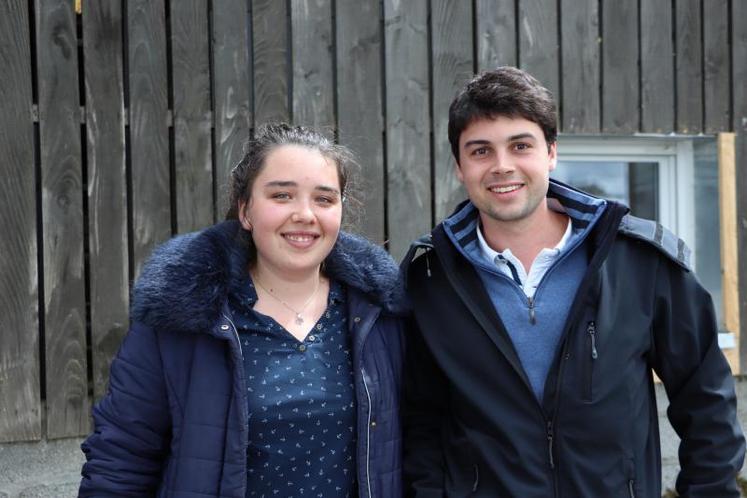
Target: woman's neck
{"x": 289, "y": 285}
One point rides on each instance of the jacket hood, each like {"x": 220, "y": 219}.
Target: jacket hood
{"x": 185, "y": 283}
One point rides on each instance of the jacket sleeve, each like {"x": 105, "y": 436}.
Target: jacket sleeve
{"x": 699, "y": 385}
{"x": 424, "y": 409}
{"x": 132, "y": 425}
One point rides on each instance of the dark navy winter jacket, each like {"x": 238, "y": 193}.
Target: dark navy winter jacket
{"x": 175, "y": 420}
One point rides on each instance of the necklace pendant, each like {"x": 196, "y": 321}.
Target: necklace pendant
{"x": 299, "y": 319}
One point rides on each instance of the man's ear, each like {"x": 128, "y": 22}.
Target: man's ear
{"x": 458, "y": 171}
{"x": 553, "y": 155}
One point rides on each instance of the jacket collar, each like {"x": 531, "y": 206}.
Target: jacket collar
{"x": 186, "y": 281}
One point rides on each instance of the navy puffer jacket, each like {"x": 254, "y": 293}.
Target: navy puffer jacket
{"x": 174, "y": 422}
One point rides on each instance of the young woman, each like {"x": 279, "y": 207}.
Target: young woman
{"x": 264, "y": 353}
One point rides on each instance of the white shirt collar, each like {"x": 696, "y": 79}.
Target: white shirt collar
{"x": 490, "y": 254}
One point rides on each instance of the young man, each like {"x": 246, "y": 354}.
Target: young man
{"x": 540, "y": 313}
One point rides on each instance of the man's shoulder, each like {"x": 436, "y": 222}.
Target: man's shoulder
{"x": 657, "y": 236}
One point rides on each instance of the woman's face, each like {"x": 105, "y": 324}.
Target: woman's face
{"x": 295, "y": 210}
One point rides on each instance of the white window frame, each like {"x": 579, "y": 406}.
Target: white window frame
{"x": 675, "y": 158}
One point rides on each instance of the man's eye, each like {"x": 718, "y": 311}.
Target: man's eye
{"x": 480, "y": 151}
{"x": 522, "y": 146}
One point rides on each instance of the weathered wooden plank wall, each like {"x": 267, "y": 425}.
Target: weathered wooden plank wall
{"x": 20, "y": 408}
{"x": 144, "y": 107}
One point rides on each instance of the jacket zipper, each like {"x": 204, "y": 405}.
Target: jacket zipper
{"x": 592, "y": 330}
{"x": 368, "y": 434}
{"x": 550, "y": 444}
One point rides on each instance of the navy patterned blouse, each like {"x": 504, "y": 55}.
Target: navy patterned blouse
{"x": 301, "y": 401}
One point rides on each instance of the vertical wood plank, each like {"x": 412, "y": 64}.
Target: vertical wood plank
{"x": 716, "y": 66}
{"x": 538, "y": 41}
{"x": 149, "y": 132}
{"x": 271, "y": 54}
{"x": 107, "y": 186}
{"x": 192, "y": 119}
{"x": 688, "y": 74}
{"x": 496, "y": 33}
{"x": 313, "y": 85}
{"x": 581, "y": 66}
{"x": 451, "y": 28}
{"x": 407, "y": 118}
{"x": 360, "y": 117}
{"x": 739, "y": 92}
{"x": 62, "y": 214}
{"x": 232, "y": 91}
{"x": 20, "y": 410}
{"x": 657, "y": 67}
{"x": 727, "y": 194}
{"x": 620, "y": 96}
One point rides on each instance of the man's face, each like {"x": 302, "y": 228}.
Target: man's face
{"x": 505, "y": 164}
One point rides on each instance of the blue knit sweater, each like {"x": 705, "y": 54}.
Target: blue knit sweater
{"x": 535, "y": 325}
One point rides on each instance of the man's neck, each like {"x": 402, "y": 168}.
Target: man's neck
{"x": 526, "y": 237}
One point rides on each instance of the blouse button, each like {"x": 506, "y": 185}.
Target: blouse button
{"x": 224, "y": 327}
{"x": 373, "y": 423}
{"x": 357, "y": 319}
{"x": 302, "y": 347}
{"x": 311, "y": 338}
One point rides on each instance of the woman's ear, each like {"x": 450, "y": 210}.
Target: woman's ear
{"x": 244, "y": 218}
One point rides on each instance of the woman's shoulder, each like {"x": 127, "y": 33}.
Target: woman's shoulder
{"x": 359, "y": 263}
{"x": 184, "y": 282}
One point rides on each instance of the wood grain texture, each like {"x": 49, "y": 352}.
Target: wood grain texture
{"x": 716, "y": 66}
{"x": 620, "y": 96}
{"x": 360, "y": 119}
{"x": 107, "y": 186}
{"x": 727, "y": 194}
{"x": 739, "y": 92}
{"x": 688, "y": 73}
{"x": 192, "y": 118}
{"x": 496, "y": 33}
{"x": 407, "y": 123}
{"x": 232, "y": 91}
{"x": 149, "y": 132}
{"x": 66, "y": 370}
{"x": 451, "y": 38}
{"x": 271, "y": 70}
{"x": 20, "y": 404}
{"x": 657, "y": 67}
{"x": 313, "y": 76}
{"x": 581, "y": 69}
{"x": 538, "y": 42}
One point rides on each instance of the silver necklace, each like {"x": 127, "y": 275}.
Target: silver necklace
{"x": 299, "y": 318}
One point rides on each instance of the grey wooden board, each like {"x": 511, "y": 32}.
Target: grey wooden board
{"x": 20, "y": 409}
{"x": 66, "y": 373}
{"x": 271, "y": 50}
{"x": 360, "y": 118}
{"x": 620, "y": 96}
{"x": 496, "y": 33}
{"x": 232, "y": 91}
{"x": 538, "y": 42}
{"x": 580, "y": 71}
{"x": 739, "y": 89}
{"x": 451, "y": 38}
{"x": 407, "y": 123}
{"x": 657, "y": 67}
{"x": 149, "y": 129}
{"x": 193, "y": 160}
{"x": 313, "y": 76}
{"x": 716, "y": 66}
{"x": 107, "y": 186}
{"x": 688, "y": 73}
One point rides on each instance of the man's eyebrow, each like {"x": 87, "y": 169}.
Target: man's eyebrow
{"x": 521, "y": 136}
{"x": 478, "y": 141}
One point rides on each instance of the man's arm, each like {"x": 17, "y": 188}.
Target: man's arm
{"x": 699, "y": 384}
{"x": 424, "y": 409}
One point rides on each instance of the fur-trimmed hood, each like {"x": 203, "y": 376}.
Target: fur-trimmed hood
{"x": 185, "y": 283}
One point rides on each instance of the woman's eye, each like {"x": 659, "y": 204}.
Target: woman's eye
{"x": 325, "y": 200}
{"x": 281, "y": 195}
